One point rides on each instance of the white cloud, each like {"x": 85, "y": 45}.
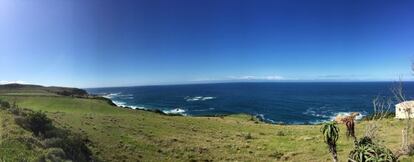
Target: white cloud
{"x": 12, "y": 82}
{"x": 252, "y": 77}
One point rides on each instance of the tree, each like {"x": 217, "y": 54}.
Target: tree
{"x": 331, "y": 135}
{"x": 400, "y": 97}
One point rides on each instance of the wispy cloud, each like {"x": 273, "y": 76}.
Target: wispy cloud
{"x": 241, "y": 78}
{"x": 13, "y": 82}
{"x": 252, "y": 77}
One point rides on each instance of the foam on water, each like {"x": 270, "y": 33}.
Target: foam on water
{"x": 115, "y": 96}
{"x": 209, "y": 109}
{"x": 263, "y": 118}
{"x": 198, "y": 98}
{"x": 118, "y": 95}
{"x": 111, "y": 95}
{"x": 290, "y": 103}
{"x": 175, "y": 111}
{"x": 359, "y": 117}
{"x": 327, "y": 113}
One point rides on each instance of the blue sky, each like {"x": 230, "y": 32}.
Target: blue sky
{"x": 112, "y": 43}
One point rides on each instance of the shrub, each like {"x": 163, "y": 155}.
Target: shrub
{"x": 75, "y": 147}
{"x": 330, "y": 133}
{"x": 63, "y": 144}
{"x": 21, "y": 121}
{"x": 4, "y": 104}
{"x": 51, "y": 142}
{"x": 38, "y": 123}
{"x": 248, "y": 136}
{"x": 367, "y": 150}
{"x": 53, "y": 154}
{"x": 377, "y": 116}
{"x": 17, "y": 111}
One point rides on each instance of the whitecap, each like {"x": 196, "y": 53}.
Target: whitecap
{"x": 137, "y": 107}
{"x": 175, "y": 111}
{"x": 111, "y": 95}
{"x": 263, "y": 118}
{"x": 359, "y": 117}
{"x": 207, "y": 98}
{"x": 209, "y": 109}
{"x": 320, "y": 112}
{"x": 120, "y": 103}
{"x": 118, "y": 95}
{"x": 198, "y": 98}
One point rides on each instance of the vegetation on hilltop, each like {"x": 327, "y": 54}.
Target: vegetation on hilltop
{"x": 24, "y": 89}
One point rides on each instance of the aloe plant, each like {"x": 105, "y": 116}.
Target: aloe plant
{"x": 331, "y": 135}
{"x": 367, "y": 151}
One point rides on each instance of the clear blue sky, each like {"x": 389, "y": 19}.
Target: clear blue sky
{"x": 112, "y": 43}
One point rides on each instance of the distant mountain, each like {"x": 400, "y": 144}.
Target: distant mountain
{"x": 41, "y": 90}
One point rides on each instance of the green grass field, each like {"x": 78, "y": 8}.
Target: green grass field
{"x": 119, "y": 134}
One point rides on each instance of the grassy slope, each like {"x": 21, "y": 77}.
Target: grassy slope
{"x": 122, "y": 134}
{"x": 13, "y": 146}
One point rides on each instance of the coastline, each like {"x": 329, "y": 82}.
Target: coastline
{"x": 257, "y": 117}
{"x": 276, "y": 103}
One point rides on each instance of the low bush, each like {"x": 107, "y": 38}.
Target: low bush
{"x": 17, "y": 111}
{"x": 4, "y": 104}
{"x": 54, "y": 154}
{"x": 75, "y": 147}
{"x": 367, "y": 150}
{"x": 386, "y": 115}
{"x": 38, "y": 123}
{"x": 248, "y": 136}
{"x": 63, "y": 145}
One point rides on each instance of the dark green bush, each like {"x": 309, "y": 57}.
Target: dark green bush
{"x": 17, "y": 111}
{"x": 38, "y": 123}
{"x": 4, "y": 104}
{"x": 73, "y": 145}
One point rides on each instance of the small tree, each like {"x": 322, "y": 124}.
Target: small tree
{"x": 350, "y": 127}
{"x": 331, "y": 135}
{"x": 400, "y": 97}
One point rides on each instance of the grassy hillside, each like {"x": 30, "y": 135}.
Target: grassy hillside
{"x": 20, "y": 89}
{"x": 119, "y": 134}
{"x": 12, "y": 141}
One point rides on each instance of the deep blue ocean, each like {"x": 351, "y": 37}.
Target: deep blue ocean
{"x": 288, "y": 103}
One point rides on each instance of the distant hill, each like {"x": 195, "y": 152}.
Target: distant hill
{"x": 25, "y": 89}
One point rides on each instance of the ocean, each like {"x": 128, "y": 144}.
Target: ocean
{"x": 282, "y": 103}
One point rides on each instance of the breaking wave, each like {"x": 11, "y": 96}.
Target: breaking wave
{"x": 175, "y": 111}
{"x": 262, "y": 117}
{"x": 209, "y": 109}
{"x": 198, "y": 98}
{"x": 118, "y": 95}
{"x": 326, "y": 113}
